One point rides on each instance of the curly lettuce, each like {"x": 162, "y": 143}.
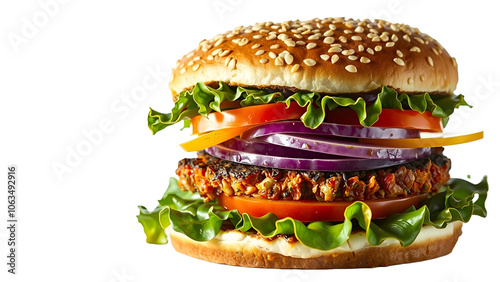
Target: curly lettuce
{"x": 203, "y": 99}
{"x": 188, "y": 214}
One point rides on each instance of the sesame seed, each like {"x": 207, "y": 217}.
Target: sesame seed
{"x": 271, "y": 37}
{"x": 310, "y": 62}
{"x": 282, "y": 36}
{"x": 361, "y": 48}
{"x": 295, "y": 68}
{"x": 335, "y": 58}
{"x": 310, "y": 45}
{"x": 359, "y": 29}
{"x": 218, "y": 42}
{"x": 300, "y": 42}
{"x": 306, "y": 32}
{"x": 348, "y": 52}
{"x": 328, "y": 40}
{"x": 349, "y": 24}
{"x": 332, "y": 27}
{"x": 435, "y": 51}
{"x": 415, "y": 49}
{"x": 454, "y": 62}
{"x": 343, "y": 39}
{"x": 272, "y": 55}
{"x": 399, "y": 53}
{"x": 183, "y": 70}
{"x": 328, "y": 33}
{"x": 210, "y": 57}
{"x": 236, "y": 40}
{"x": 420, "y": 40}
{"x": 335, "y": 50}
{"x": 422, "y": 77}
{"x": 389, "y": 44}
{"x": 347, "y": 31}
{"x": 205, "y": 48}
{"x": 275, "y": 46}
{"x": 279, "y": 61}
{"x": 370, "y": 51}
{"x": 407, "y": 37}
{"x": 313, "y": 37}
{"x": 290, "y": 43}
{"x": 258, "y": 36}
{"x": 394, "y": 27}
{"x": 224, "y": 53}
{"x": 351, "y": 68}
{"x": 352, "y": 57}
{"x": 364, "y": 60}
{"x": 255, "y": 46}
{"x": 299, "y": 36}
{"x": 356, "y": 38}
{"x": 325, "y": 57}
{"x": 288, "y": 58}
{"x": 228, "y": 59}
{"x": 196, "y": 67}
{"x": 190, "y": 63}
{"x": 260, "y": 52}
{"x": 410, "y": 80}
{"x": 394, "y": 37}
{"x": 430, "y": 61}
{"x": 375, "y": 39}
{"x": 264, "y": 60}
{"x": 378, "y": 48}
{"x": 215, "y": 52}
{"x": 256, "y": 27}
{"x": 398, "y": 61}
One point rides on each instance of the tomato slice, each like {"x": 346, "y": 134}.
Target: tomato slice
{"x": 246, "y": 116}
{"x": 311, "y": 210}
{"x": 446, "y": 140}
{"x": 392, "y": 118}
{"x": 212, "y": 138}
{"x": 253, "y": 115}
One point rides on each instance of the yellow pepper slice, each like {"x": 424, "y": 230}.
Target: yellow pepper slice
{"x": 425, "y": 142}
{"x": 212, "y": 138}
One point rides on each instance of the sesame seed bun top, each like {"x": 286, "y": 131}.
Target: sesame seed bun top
{"x": 332, "y": 55}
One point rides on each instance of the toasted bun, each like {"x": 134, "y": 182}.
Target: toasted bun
{"x": 334, "y": 56}
{"x": 236, "y": 248}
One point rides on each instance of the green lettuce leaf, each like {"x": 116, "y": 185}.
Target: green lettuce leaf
{"x": 202, "y": 99}
{"x": 188, "y": 214}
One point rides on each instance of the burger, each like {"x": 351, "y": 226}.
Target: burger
{"x": 319, "y": 145}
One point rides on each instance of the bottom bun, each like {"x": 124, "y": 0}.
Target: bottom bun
{"x": 237, "y": 248}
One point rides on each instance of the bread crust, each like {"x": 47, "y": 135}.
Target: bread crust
{"x": 248, "y": 255}
{"x": 337, "y": 56}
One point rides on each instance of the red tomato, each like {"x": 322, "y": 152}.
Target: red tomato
{"x": 311, "y": 210}
{"x": 246, "y": 116}
{"x": 392, "y": 118}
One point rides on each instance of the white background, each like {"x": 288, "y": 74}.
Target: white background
{"x": 72, "y": 70}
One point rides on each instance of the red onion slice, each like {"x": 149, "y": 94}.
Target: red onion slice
{"x": 334, "y": 164}
{"x": 344, "y": 147}
{"x": 257, "y": 146}
{"x": 334, "y": 129}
